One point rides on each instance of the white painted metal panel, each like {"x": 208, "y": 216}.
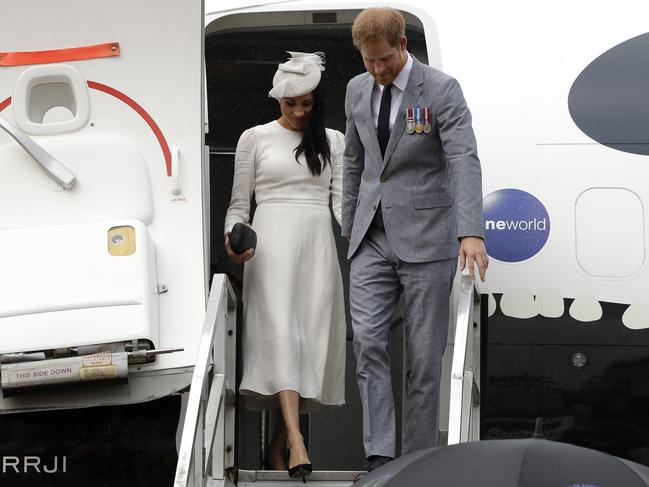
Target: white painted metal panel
{"x": 142, "y": 104}
{"x": 115, "y": 183}
{"x": 62, "y": 287}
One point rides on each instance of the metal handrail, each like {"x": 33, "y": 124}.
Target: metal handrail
{"x": 209, "y": 416}
{"x": 464, "y": 388}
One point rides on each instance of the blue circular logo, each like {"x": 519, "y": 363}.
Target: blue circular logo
{"x": 516, "y": 223}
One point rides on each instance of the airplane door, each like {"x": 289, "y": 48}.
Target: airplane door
{"x": 242, "y": 54}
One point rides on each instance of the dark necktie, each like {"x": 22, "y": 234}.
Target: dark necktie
{"x": 383, "y": 127}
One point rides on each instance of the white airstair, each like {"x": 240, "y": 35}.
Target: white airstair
{"x": 206, "y": 456}
{"x": 464, "y": 390}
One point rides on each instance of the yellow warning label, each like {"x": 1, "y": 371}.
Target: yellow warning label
{"x": 98, "y": 372}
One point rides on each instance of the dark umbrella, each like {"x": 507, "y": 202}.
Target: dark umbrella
{"x": 508, "y": 463}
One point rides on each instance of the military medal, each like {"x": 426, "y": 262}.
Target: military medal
{"x": 419, "y": 128}
{"x": 427, "y": 127}
{"x": 410, "y": 120}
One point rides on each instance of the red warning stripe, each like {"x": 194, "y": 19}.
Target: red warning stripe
{"x": 59, "y": 55}
{"x": 135, "y": 106}
{"x": 5, "y": 103}
{"x": 143, "y": 113}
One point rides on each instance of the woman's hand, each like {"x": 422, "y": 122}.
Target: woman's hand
{"x": 237, "y": 258}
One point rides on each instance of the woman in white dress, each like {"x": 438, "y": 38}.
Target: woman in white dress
{"x": 293, "y": 307}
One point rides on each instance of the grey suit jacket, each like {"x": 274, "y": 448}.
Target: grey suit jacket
{"x": 429, "y": 185}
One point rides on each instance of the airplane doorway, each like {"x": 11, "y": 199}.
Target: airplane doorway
{"x": 242, "y": 52}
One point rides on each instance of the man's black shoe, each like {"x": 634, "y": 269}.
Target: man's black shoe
{"x": 376, "y": 461}
{"x": 373, "y": 462}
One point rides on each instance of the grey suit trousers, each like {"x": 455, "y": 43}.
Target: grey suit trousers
{"x": 377, "y": 279}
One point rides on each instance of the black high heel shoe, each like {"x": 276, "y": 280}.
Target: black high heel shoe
{"x": 301, "y": 470}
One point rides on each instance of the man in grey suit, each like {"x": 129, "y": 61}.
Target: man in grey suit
{"x": 412, "y": 200}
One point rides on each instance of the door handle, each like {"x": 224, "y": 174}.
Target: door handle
{"x": 50, "y": 165}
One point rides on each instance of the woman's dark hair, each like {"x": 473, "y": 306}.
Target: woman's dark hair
{"x": 315, "y": 144}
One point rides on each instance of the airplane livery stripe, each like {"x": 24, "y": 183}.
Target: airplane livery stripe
{"x": 5, "y": 103}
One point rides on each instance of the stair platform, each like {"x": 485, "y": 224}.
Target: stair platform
{"x": 274, "y": 478}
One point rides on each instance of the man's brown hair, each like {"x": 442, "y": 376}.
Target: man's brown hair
{"x": 374, "y": 24}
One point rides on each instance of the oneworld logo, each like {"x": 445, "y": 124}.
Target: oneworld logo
{"x": 533, "y": 224}
{"x": 517, "y": 225}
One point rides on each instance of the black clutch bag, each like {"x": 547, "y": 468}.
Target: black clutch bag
{"x": 242, "y": 238}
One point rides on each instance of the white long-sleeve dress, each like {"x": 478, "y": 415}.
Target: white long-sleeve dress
{"x": 293, "y": 306}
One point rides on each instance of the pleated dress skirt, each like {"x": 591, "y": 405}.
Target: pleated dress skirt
{"x": 294, "y": 313}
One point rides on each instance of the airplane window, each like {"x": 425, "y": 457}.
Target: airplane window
{"x": 609, "y": 226}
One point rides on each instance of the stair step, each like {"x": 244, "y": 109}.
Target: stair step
{"x": 275, "y": 478}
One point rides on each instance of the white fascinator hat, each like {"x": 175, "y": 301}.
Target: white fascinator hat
{"x": 297, "y": 76}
